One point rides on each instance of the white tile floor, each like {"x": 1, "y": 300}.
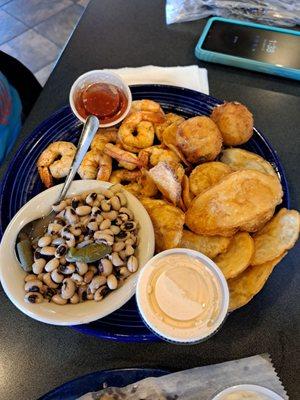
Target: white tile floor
{"x": 35, "y": 31}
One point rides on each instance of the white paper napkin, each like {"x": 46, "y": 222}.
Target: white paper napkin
{"x": 191, "y": 77}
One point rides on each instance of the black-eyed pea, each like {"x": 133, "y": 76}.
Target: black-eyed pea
{"x": 111, "y": 215}
{"x": 115, "y": 229}
{"x": 89, "y": 294}
{"x": 118, "y": 246}
{"x": 84, "y": 220}
{"x": 57, "y": 207}
{"x": 38, "y": 266}
{"x": 81, "y": 211}
{"x": 122, "y": 254}
{"x": 71, "y": 242}
{"x": 124, "y": 272}
{"x": 100, "y": 293}
{"x": 105, "y": 206}
{"x": 116, "y": 260}
{"x": 107, "y": 193}
{"x": 63, "y": 260}
{"x": 48, "y": 281}
{"x": 115, "y": 203}
{"x": 122, "y": 198}
{"x": 40, "y": 276}
{"x": 92, "y": 225}
{"x": 78, "y": 279}
{"x": 75, "y": 201}
{"x": 105, "y": 267}
{"x": 80, "y": 238}
{"x": 100, "y": 197}
{"x": 108, "y": 232}
{"x": 52, "y": 264}
{"x": 128, "y": 226}
{"x": 57, "y": 299}
{"x": 67, "y": 269}
{"x": 99, "y": 219}
{"x": 33, "y": 286}
{"x": 84, "y": 243}
{"x": 58, "y": 241}
{"x": 132, "y": 264}
{"x": 81, "y": 268}
{"x": 44, "y": 241}
{"x": 82, "y": 293}
{"x": 125, "y": 210}
{"x": 61, "y": 250}
{"x": 90, "y": 198}
{"x": 96, "y": 282}
{"x": 129, "y": 250}
{"x": 75, "y": 230}
{"x": 30, "y": 277}
{"x": 56, "y": 276}
{"x": 75, "y": 299}
{"x": 95, "y": 211}
{"x": 105, "y": 224}
{"x": 71, "y": 215}
{"x": 68, "y": 288}
{"x": 54, "y": 228}
{"x": 112, "y": 282}
{"x": 103, "y": 238}
{"x": 33, "y": 297}
{"x": 116, "y": 188}
{"x": 47, "y": 251}
{"x": 88, "y": 276}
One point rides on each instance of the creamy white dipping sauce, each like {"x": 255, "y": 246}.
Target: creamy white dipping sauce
{"x": 180, "y": 297}
{"x": 243, "y": 395}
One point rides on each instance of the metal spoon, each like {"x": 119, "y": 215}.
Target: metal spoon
{"x": 37, "y": 227}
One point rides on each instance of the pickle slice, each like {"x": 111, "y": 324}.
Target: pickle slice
{"x": 88, "y": 254}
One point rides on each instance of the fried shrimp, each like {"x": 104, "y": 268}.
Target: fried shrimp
{"x": 96, "y": 165}
{"x": 199, "y": 139}
{"x": 55, "y": 161}
{"x": 137, "y": 130}
{"x": 122, "y": 175}
{"x": 104, "y": 136}
{"x": 156, "y": 154}
{"x": 129, "y": 160}
{"x": 146, "y": 105}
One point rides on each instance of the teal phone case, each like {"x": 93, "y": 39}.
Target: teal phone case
{"x": 245, "y": 63}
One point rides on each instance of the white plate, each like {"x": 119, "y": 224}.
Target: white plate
{"x": 255, "y": 389}
{"x": 12, "y": 275}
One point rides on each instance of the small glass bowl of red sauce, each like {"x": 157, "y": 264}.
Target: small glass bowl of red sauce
{"x": 103, "y": 94}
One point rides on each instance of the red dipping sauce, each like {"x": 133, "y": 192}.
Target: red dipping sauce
{"x": 105, "y": 101}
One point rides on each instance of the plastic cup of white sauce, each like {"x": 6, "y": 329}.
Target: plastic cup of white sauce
{"x": 182, "y": 296}
{"x": 247, "y": 392}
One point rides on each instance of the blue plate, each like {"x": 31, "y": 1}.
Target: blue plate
{"x": 94, "y": 382}
{"x": 22, "y": 182}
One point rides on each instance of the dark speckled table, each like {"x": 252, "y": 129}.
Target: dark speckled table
{"x": 34, "y": 357}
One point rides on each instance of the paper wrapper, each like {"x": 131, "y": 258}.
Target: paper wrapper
{"x": 201, "y": 383}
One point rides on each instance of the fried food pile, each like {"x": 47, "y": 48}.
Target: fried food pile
{"x": 200, "y": 193}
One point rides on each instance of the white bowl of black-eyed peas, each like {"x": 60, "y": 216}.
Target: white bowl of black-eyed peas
{"x": 86, "y": 263}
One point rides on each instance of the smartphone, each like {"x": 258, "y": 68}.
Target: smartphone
{"x": 251, "y": 46}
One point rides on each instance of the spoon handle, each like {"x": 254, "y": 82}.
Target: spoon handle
{"x": 88, "y": 132}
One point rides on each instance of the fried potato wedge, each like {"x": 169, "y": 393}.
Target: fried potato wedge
{"x": 235, "y": 122}
{"x": 246, "y": 285}
{"x": 167, "y": 222}
{"x": 234, "y": 202}
{"x": 168, "y": 182}
{"x": 206, "y": 175}
{"x": 277, "y": 236}
{"x": 237, "y": 256}
{"x": 243, "y": 159}
{"x": 211, "y": 246}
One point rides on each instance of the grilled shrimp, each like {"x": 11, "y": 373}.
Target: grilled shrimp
{"x": 55, "y": 161}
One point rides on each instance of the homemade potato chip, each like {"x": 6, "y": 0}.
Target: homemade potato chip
{"x": 246, "y": 285}
{"x": 167, "y": 222}
{"x": 166, "y": 178}
{"x": 211, "y": 246}
{"x": 277, "y": 236}
{"x": 243, "y": 159}
{"x": 170, "y": 120}
{"x": 186, "y": 195}
{"x": 237, "y": 256}
{"x": 237, "y": 200}
{"x": 206, "y": 175}
{"x": 259, "y": 222}
{"x": 169, "y": 133}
